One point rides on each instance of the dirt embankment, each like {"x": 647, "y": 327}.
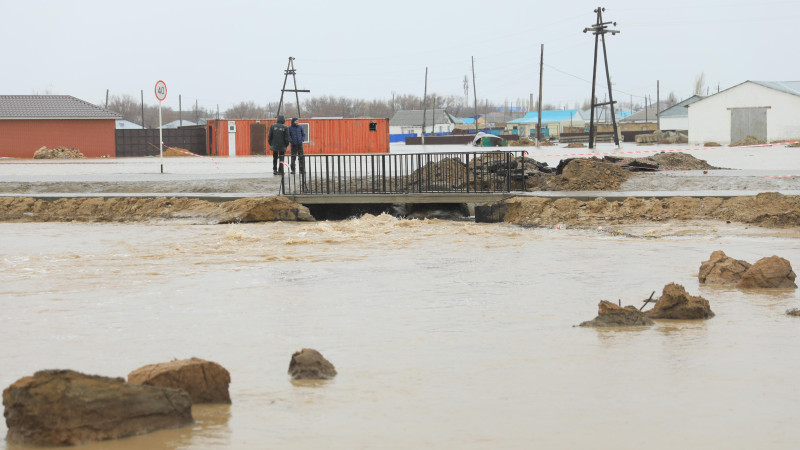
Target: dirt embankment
{"x": 766, "y": 209}
{"x": 131, "y": 209}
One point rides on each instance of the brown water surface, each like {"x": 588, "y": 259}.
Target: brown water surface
{"x": 444, "y": 334}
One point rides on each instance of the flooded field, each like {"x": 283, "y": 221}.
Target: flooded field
{"x": 444, "y": 334}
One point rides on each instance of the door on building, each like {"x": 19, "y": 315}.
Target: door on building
{"x": 231, "y": 138}
{"x": 258, "y": 139}
{"x": 748, "y": 122}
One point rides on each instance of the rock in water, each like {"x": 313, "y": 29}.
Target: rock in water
{"x": 676, "y": 303}
{"x": 205, "y": 381}
{"x": 722, "y": 269}
{"x": 309, "y": 364}
{"x": 612, "y": 315}
{"x": 770, "y": 272}
{"x": 64, "y": 407}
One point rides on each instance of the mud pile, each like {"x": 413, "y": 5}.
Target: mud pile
{"x": 131, "y": 209}
{"x": 176, "y": 151}
{"x": 449, "y": 172}
{"x": 661, "y": 161}
{"x": 58, "y": 153}
{"x": 767, "y": 209}
{"x": 589, "y": 174}
{"x": 749, "y": 140}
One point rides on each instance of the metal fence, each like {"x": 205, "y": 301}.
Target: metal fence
{"x": 144, "y": 142}
{"x": 456, "y": 172}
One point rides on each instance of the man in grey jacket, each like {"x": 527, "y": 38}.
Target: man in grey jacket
{"x": 278, "y": 139}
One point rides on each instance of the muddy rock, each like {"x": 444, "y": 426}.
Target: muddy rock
{"x": 309, "y": 364}
{"x": 612, "y": 315}
{"x": 722, "y": 269}
{"x": 793, "y": 312}
{"x": 205, "y": 381}
{"x": 265, "y": 209}
{"x": 64, "y": 407}
{"x": 676, "y": 303}
{"x": 770, "y": 272}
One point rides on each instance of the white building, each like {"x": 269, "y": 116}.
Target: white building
{"x": 766, "y": 110}
{"x": 410, "y": 122}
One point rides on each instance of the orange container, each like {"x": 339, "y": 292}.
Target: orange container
{"x": 246, "y": 137}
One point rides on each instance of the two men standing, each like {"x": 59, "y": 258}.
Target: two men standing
{"x": 280, "y": 136}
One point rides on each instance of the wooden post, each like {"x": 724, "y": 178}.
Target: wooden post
{"x": 475, "y": 94}
{"x": 539, "y": 122}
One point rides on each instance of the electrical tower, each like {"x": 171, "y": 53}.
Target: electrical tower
{"x": 599, "y": 31}
{"x": 291, "y": 71}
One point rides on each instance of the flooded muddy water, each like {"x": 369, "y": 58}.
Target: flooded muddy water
{"x": 444, "y": 334}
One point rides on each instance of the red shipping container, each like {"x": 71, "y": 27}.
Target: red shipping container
{"x": 248, "y": 137}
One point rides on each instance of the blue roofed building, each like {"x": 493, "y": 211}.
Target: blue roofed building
{"x": 676, "y": 117}
{"x": 553, "y": 123}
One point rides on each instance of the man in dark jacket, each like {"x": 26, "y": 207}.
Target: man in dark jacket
{"x": 297, "y": 135}
{"x": 278, "y": 139}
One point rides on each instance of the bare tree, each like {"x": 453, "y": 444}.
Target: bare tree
{"x": 246, "y": 110}
{"x": 700, "y": 83}
{"x": 126, "y": 105}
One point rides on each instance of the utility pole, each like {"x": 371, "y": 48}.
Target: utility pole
{"x": 599, "y": 30}
{"x": 180, "y": 111}
{"x": 290, "y": 70}
{"x": 539, "y": 122}
{"x": 196, "y": 113}
{"x": 143, "y": 109}
{"x": 658, "y": 105}
{"x": 106, "y": 98}
{"x": 424, "y": 105}
{"x": 475, "y": 94}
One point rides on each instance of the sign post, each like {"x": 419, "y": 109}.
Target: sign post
{"x": 161, "y": 94}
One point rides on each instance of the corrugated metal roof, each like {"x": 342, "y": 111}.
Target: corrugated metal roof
{"x": 549, "y": 116}
{"x": 789, "y": 87}
{"x": 680, "y": 109}
{"x": 413, "y": 118}
{"x": 642, "y": 116}
{"x": 51, "y": 107}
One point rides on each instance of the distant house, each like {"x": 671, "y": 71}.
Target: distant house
{"x": 553, "y": 122}
{"x": 649, "y": 115}
{"x": 123, "y": 124}
{"x": 676, "y": 117}
{"x": 410, "y": 122}
{"x": 29, "y": 122}
{"x": 766, "y": 110}
{"x": 178, "y": 123}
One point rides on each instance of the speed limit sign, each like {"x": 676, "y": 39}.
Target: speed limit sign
{"x": 161, "y": 90}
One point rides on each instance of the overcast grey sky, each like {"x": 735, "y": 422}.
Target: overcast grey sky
{"x": 226, "y": 51}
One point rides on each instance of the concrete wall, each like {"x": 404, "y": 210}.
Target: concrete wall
{"x": 710, "y": 118}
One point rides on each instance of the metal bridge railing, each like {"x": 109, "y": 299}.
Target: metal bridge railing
{"x": 457, "y": 172}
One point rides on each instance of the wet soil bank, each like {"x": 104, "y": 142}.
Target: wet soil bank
{"x": 769, "y": 209}
{"x": 141, "y": 209}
